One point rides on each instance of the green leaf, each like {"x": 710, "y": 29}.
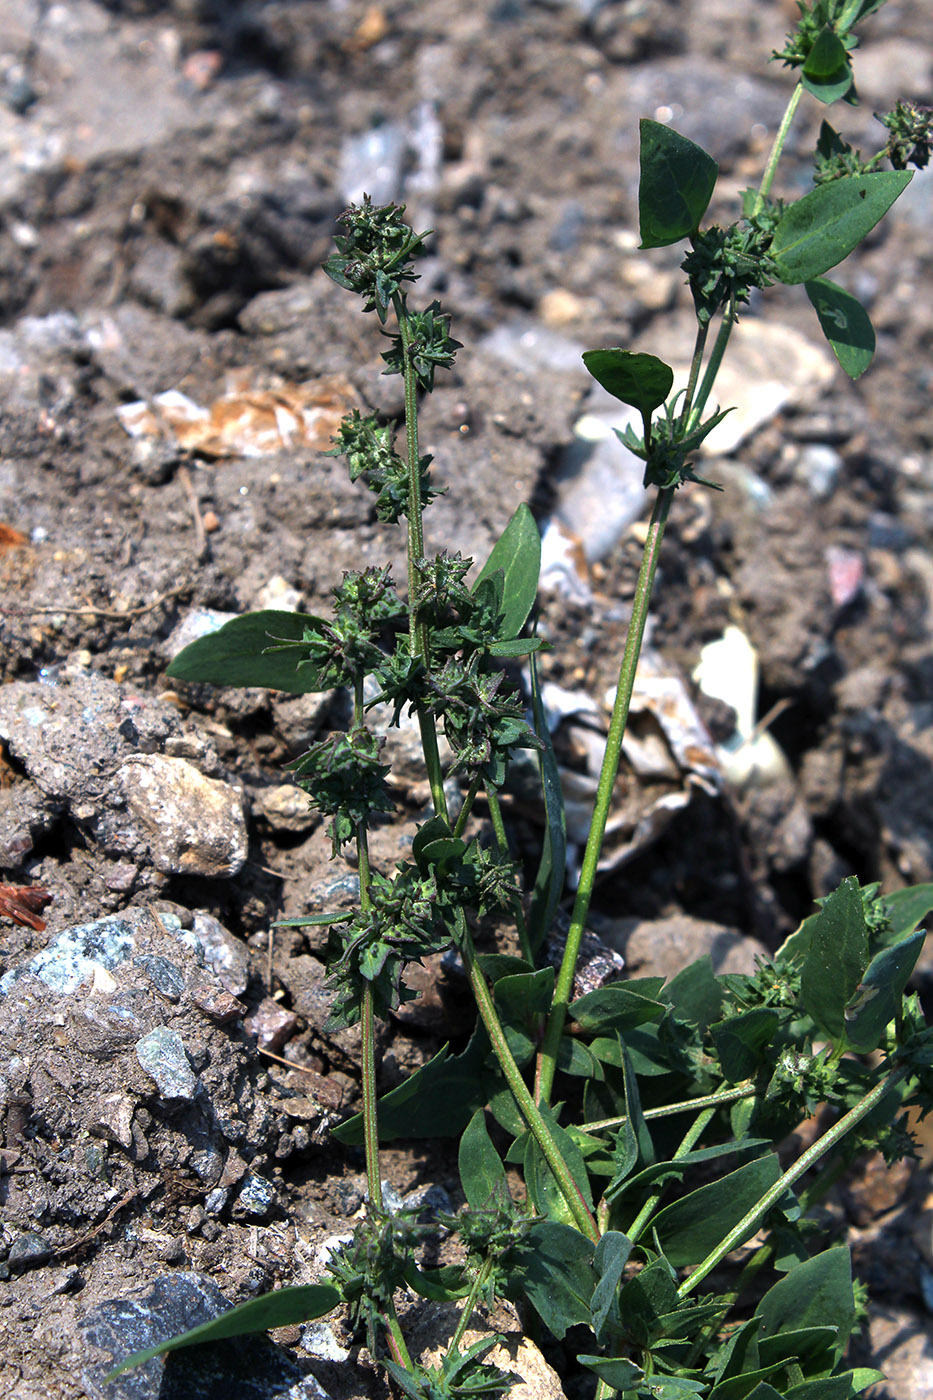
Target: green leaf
{"x": 643, "y": 381}
{"x": 692, "y": 1227}
{"x": 819, "y": 230}
{"x": 644, "y": 1299}
{"x": 438, "y": 1285}
{"x": 517, "y": 552}
{"x": 316, "y": 920}
{"x": 619, "y": 1007}
{"x": 543, "y": 1190}
{"x": 238, "y": 653}
{"x": 660, "y": 1174}
{"x": 877, "y": 998}
{"x": 676, "y": 184}
{"x": 817, "y": 1293}
{"x": 907, "y": 907}
{"x": 836, "y": 958}
{"x": 438, "y": 1100}
{"x": 695, "y": 993}
{"x": 610, "y": 1259}
{"x": 845, "y": 324}
{"x": 553, "y": 1268}
{"x": 809, "y": 1344}
{"x": 740, "y": 1040}
{"x": 549, "y": 881}
{"x": 286, "y": 1306}
{"x": 482, "y": 1174}
{"x": 827, "y": 73}
{"x": 523, "y": 1003}
{"x": 826, "y": 1388}
{"x": 616, "y": 1371}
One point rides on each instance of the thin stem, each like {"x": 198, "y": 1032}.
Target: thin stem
{"x": 467, "y": 807}
{"x": 777, "y": 149}
{"x": 417, "y": 630}
{"x": 526, "y": 1104}
{"x": 479, "y": 1283}
{"x": 741, "y": 1091}
{"x": 368, "y": 1048}
{"x": 636, "y": 630}
{"x": 395, "y": 1338}
{"x": 648, "y": 1209}
{"x": 498, "y": 827}
{"x": 695, "y": 364}
{"x": 752, "y": 1218}
{"x": 713, "y": 365}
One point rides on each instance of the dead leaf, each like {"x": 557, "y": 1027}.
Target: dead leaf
{"x": 246, "y": 422}
{"x": 24, "y": 904}
{"x": 10, "y": 538}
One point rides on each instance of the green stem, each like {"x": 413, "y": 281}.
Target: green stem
{"x": 368, "y": 1047}
{"x": 479, "y": 1283}
{"x": 395, "y": 1339}
{"x": 648, "y": 1209}
{"x": 749, "y": 1221}
{"x": 636, "y": 630}
{"x": 603, "y": 1391}
{"x": 713, "y": 365}
{"x": 776, "y": 150}
{"x": 741, "y": 1091}
{"x": 695, "y": 363}
{"x": 498, "y": 827}
{"x": 526, "y": 1104}
{"x": 417, "y": 630}
{"x": 467, "y": 807}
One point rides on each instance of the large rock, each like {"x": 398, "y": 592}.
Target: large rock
{"x": 193, "y": 825}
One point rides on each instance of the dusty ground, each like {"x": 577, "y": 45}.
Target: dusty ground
{"x": 169, "y": 180}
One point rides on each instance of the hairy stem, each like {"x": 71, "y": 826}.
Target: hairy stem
{"x": 714, "y": 363}
{"x": 479, "y": 1283}
{"x": 780, "y": 139}
{"x": 749, "y": 1221}
{"x": 695, "y": 365}
{"x": 740, "y": 1091}
{"x": 644, "y": 1215}
{"x": 498, "y": 826}
{"x": 520, "y": 1091}
{"x": 636, "y": 631}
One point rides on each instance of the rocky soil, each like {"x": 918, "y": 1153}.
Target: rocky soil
{"x": 172, "y": 365}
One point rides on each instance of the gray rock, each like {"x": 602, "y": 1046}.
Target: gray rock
{"x": 225, "y": 955}
{"x": 161, "y": 1054}
{"x": 194, "y": 825}
{"x": 239, "y": 1368}
{"x": 28, "y": 1251}
{"x": 74, "y": 955}
{"x": 664, "y": 947}
{"x": 256, "y": 1196}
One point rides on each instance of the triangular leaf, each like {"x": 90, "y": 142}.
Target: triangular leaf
{"x": 836, "y": 958}
{"x": 692, "y": 1227}
{"x": 642, "y": 381}
{"x": 482, "y": 1174}
{"x": 676, "y": 184}
{"x": 517, "y": 552}
{"x": 238, "y": 653}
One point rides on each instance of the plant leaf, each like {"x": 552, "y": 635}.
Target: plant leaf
{"x": 619, "y": 1007}
{"x": 845, "y": 324}
{"x": 819, "y": 230}
{"x": 482, "y": 1174}
{"x": 816, "y": 1293}
{"x": 438, "y": 1100}
{"x": 676, "y": 184}
{"x": 517, "y": 552}
{"x": 239, "y": 654}
{"x": 836, "y": 958}
{"x": 552, "y": 1267}
{"x": 543, "y": 1190}
{"x": 643, "y": 381}
{"x": 827, "y": 73}
{"x": 877, "y": 998}
{"x": 523, "y": 1002}
{"x": 286, "y": 1306}
{"x": 907, "y": 907}
{"x": 611, "y": 1257}
{"x": 616, "y": 1371}
{"x": 692, "y": 1227}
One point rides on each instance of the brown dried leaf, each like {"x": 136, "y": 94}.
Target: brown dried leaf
{"x": 24, "y": 904}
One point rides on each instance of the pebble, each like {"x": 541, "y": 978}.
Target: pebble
{"x": 28, "y": 1250}
{"x": 271, "y": 1024}
{"x": 818, "y": 467}
{"x": 600, "y": 484}
{"x": 256, "y": 1196}
{"x": 162, "y": 1055}
{"x": 372, "y": 163}
{"x": 225, "y": 955}
{"x": 663, "y": 947}
{"x": 286, "y": 808}
{"x": 194, "y": 825}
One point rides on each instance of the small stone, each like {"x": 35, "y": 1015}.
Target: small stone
{"x": 168, "y": 979}
{"x": 286, "y": 808}
{"x": 256, "y": 1196}
{"x": 112, "y": 1119}
{"x": 121, "y": 877}
{"x": 162, "y": 1055}
{"x": 663, "y": 947}
{"x": 215, "y": 1001}
{"x": 194, "y": 825}
{"x": 215, "y": 1201}
{"x": 225, "y": 955}
{"x": 210, "y": 522}
{"x": 271, "y": 1024}
{"x": 29, "y": 1250}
